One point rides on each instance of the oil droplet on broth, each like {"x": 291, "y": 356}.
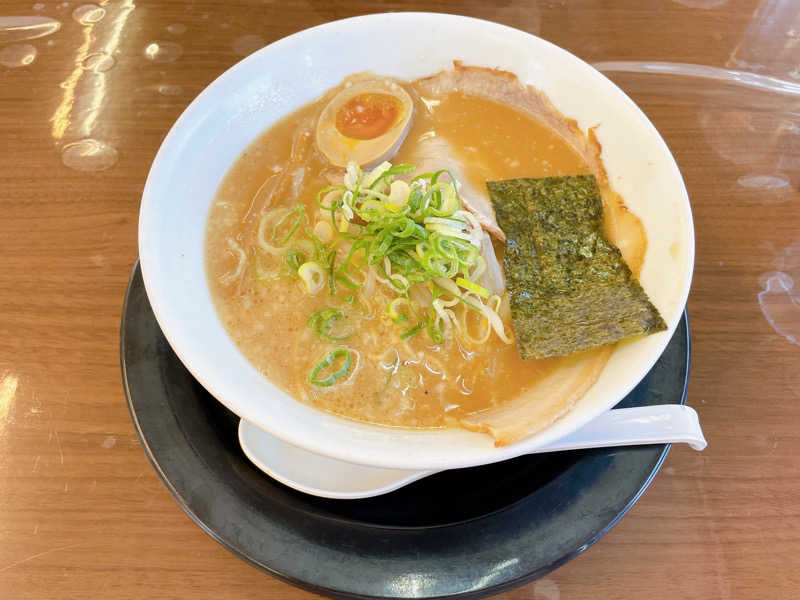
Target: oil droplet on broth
{"x": 176, "y": 28}
{"x": 89, "y": 155}
{"x": 17, "y": 55}
{"x": 17, "y": 29}
{"x": 163, "y": 51}
{"x": 87, "y": 14}
{"x": 99, "y": 62}
{"x": 38, "y": 6}
{"x": 247, "y": 44}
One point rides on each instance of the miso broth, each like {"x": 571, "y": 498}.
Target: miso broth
{"x": 412, "y": 382}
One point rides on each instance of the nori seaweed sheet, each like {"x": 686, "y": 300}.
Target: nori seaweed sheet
{"x": 569, "y": 287}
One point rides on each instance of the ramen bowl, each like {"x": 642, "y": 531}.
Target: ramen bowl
{"x": 263, "y": 88}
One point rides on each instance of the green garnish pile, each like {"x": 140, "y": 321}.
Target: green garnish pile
{"x": 397, "y": 233}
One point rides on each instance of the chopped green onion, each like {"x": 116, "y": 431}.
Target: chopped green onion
{"x": 446, "y": 199}
{"x": 375, "y": 176}
{"x": 322, "y": 323}
{"x": 312, "y": 276}
{"x": 394, "y": 309}
{"x": 415, "y": 329}
{"x": 448, "y": 287}
{"x": 300, "y": 212}
{"x": 447, "y": 230}
{"x": 398, "y": 196}
{"x": 473, "y": 287}
{"x": 324, "y": 365}
{"x": 294, "y": 259}
{"x": 328, "y": 192}
{"x": 346, "y": 282}
{"x": 331, "y": 277}
{"x": 320, "y": 249}
{"x": 395, "y": 170}
{"x": 408, "y": 233}
{"x": 451, "y": 222}
{"x": 435, "y": 329}
{"x": 475, "y": 307}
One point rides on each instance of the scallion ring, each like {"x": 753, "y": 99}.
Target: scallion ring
{"x": 323, "y": 321}
{"x": 316, "y": 377}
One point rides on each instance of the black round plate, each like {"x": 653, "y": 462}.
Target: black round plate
{"x": 464, "y": 533}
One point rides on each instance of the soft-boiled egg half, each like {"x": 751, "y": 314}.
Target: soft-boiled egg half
{"x": 365, "y": 122}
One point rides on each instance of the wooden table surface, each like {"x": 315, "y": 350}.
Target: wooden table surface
{"x": 83, "y": 514}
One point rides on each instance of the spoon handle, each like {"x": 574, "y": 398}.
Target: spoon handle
{"x": 662, "y": 424}
{"x": 330, "y": 478}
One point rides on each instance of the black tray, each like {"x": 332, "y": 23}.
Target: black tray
{"x": 465, "y": 533}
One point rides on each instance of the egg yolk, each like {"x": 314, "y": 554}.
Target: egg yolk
{"x": 367, "y": 116}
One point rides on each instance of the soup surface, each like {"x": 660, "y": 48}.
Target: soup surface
{"x": 393, "y": 380}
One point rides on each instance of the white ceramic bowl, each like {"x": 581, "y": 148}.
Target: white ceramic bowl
{"x": 231, "y": 112}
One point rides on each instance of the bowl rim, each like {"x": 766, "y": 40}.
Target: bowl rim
{"x": 156, "y": 293}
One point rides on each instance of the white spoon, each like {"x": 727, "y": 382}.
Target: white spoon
{"x": 330, "y": 478}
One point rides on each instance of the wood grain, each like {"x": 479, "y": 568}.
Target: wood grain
{"x": 81, "y": 510}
